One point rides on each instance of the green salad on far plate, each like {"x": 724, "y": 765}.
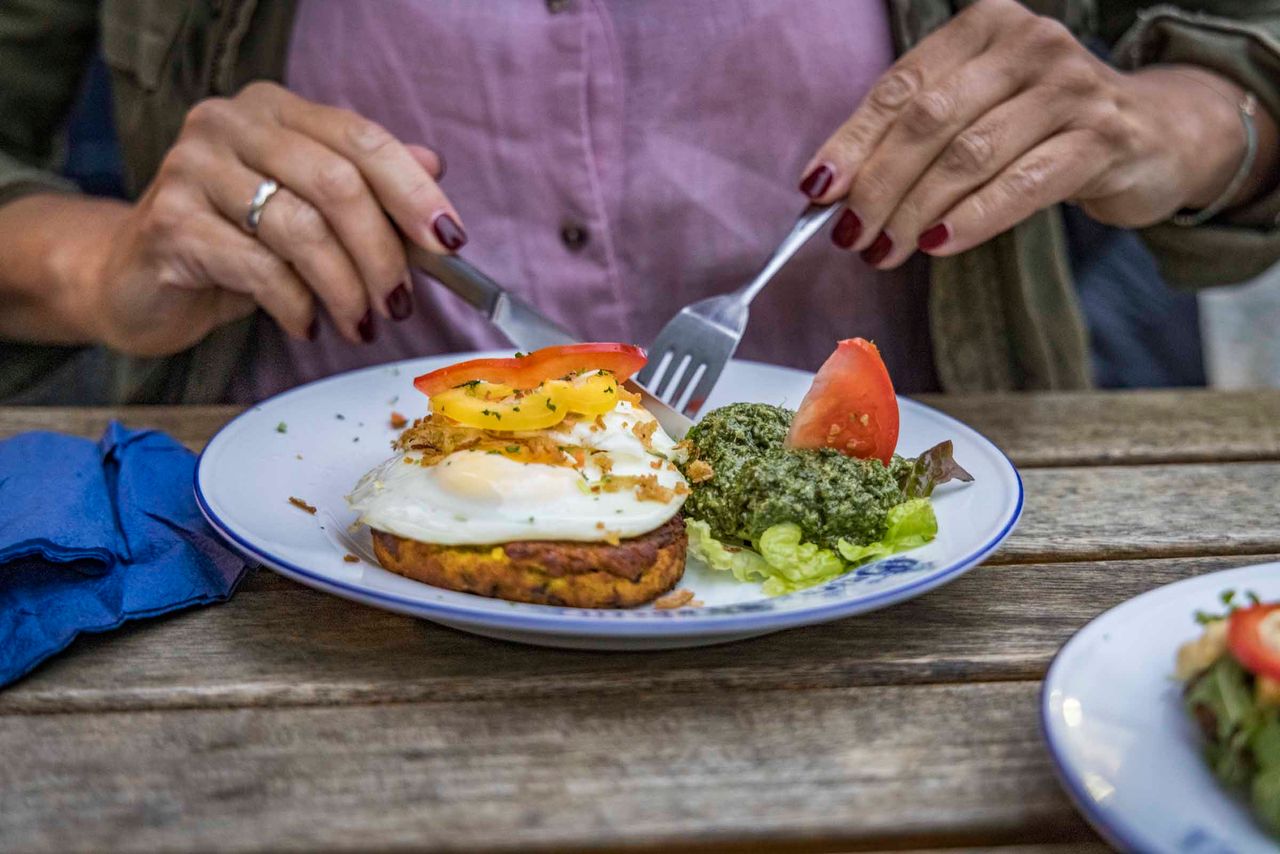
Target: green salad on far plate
{"x": 1231, "y": 675}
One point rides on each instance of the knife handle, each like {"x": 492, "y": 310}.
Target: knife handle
{"x": 458, "y": 276}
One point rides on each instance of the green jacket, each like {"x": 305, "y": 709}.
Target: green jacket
{"x": 1002, "y": 316}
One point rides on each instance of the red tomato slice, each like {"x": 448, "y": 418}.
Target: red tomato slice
{"x": 850, "y": 406}
{"x": 1253, "y": 636}
{"x": 526, "y": 372}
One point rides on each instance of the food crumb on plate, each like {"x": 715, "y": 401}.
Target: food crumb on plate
{"x": 674, "y": 599}
{"x": 398, "y": 420}
{"x": 350, "y": 558}
{"x": 282, "y": 427}
{"x": 302, "y": 505}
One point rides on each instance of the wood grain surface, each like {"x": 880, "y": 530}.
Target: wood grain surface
{"x": 1047, "y": 429}
{"x": 288, "y": 718}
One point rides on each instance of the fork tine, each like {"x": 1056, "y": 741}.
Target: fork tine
{"x": 653, "y": 369}
{"x": 680, "y": 383}
{"x": 680, "y": 359}
{"x": 705, "y": 383}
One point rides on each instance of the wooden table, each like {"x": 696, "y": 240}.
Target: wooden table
{"x": 292, "y": 719}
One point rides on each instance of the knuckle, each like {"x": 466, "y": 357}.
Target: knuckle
{"x": 1025, "y": 180}
{"x": 851, "y": 140}
{"x": 338, "y": 181}
{"x": 206, "y": 115}
{"x": 929, "y": 113}
{"x": 168, "y": 214}
{"x": 1047, "y": 36}
{"x": 304, "y": 224}
{"x": 423, "y": 198}
{"x": 182, "y": 160}
{"x": 1075, "y": 76}
{"x": 260, "y": 90}
{"x": 870, "y": 189}
{"x": 892, "y": 91}
{"x": 263, "y": 267}
{"x": 969, "y": 153}
{"x": 367, "y": 137}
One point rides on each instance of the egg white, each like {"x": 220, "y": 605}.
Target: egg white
{"x": 478, "y": 498}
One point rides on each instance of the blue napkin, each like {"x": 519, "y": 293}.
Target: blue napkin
{"x": 92, "y": 535}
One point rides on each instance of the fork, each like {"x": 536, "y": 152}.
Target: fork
{"x": 691, "y": 351}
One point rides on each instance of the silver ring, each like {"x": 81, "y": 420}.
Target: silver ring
{"x": 261, "y": 196}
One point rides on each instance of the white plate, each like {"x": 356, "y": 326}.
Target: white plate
{"x": 1124, "y": 747}
{"x": 338, "y": 428}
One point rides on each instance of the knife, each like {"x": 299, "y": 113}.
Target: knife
{"x": 523, "y": 325}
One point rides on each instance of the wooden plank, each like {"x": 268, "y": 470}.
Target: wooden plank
{"x": 1100, "y": 428}
{"x": 1147, "y": 511}
{"x": 278, "y": 643}
{"x": 860, "y": 767}
{"x": 190, "y": 425}
{"x": 1042, "y": 429}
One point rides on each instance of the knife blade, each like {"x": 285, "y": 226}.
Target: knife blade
{"x": 523, "y": 325}
{"x": 515, "y": 318}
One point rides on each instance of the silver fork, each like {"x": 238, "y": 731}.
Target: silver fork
{"x": 691, "y": 351}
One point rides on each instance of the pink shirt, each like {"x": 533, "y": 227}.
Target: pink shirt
{"x": 613, "y": 161}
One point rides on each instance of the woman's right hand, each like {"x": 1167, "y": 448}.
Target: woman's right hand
{"x": 181, "y": 262}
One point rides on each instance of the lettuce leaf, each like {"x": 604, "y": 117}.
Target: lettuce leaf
{"x": 918, "y": 477}
{"x": 784, "y": 563}
{"x": 911, "y": 524}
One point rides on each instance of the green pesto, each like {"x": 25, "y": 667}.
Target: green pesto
{"x": 757, "y": 483}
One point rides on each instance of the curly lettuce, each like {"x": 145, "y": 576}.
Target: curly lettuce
{"x": 784, "y": 563}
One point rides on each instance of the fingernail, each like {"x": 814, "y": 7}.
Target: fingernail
{"x": 817, "y": 181}
{"x": 448, "y": 232}
{"x": 314, "y": 329}
{"x": 878, "y": 250}
{"x": 934, "y": 236}
{"x": 366, "y": 329}
{"x": 399, "y": 303}
{"x": 847, "y": 230}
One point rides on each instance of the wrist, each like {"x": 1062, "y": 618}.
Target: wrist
{"x": 1199, "y": 117}
{"x": 77, "y": 265}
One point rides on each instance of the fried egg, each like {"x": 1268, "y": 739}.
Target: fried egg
{"x": 627, "y": 486}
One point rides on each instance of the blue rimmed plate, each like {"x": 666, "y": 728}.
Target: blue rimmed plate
{"x": 315, "y": 441}
{"x": 1124, "y": 747}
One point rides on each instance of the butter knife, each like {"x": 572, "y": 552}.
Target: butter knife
{"x": 523, "y": 325}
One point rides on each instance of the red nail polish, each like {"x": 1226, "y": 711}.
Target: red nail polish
{"x": 314, "y": 329}
{"x": 847, "y": 230}
{"x": 399, "y": 302}
{"x": 878, "y": 250}
{"x": 365, "y": 328}
{"x": 817, "y": 181}
{"x": 448, "y": 232}
{"x": 934, "y": 236}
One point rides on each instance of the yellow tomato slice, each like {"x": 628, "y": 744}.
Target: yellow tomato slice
{"x": 491, "y": 406}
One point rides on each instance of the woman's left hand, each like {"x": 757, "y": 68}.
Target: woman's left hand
{"x": 1001, "y": 113}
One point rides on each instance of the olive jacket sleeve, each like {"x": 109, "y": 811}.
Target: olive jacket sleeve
{"x": 1239, "y": 39}
{"x": 45, "y": 47}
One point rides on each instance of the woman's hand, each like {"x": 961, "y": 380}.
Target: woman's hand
{"x": 180, "y": 262}
{"x": 1001, "y": 113}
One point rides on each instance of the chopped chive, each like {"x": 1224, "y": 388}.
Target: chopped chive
{"x": 282, "y": 427}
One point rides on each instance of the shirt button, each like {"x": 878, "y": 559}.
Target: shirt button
{"x": 574, "y": 236}
{"x": 557, "y": 6}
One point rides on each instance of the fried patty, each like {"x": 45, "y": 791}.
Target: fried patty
{"x": 554, "y": 572}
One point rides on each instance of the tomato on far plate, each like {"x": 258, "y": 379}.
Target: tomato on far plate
{"x": 851, "y": 405}
{"x": 1253, "y": 636}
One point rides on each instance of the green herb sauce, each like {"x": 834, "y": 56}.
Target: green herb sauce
{"x": 757, "y": 483}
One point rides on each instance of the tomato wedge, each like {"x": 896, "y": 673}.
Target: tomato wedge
{"x": 529, "y": 371}
{"x": 1253, "y": 636}
{"x": 850, "y": 406}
